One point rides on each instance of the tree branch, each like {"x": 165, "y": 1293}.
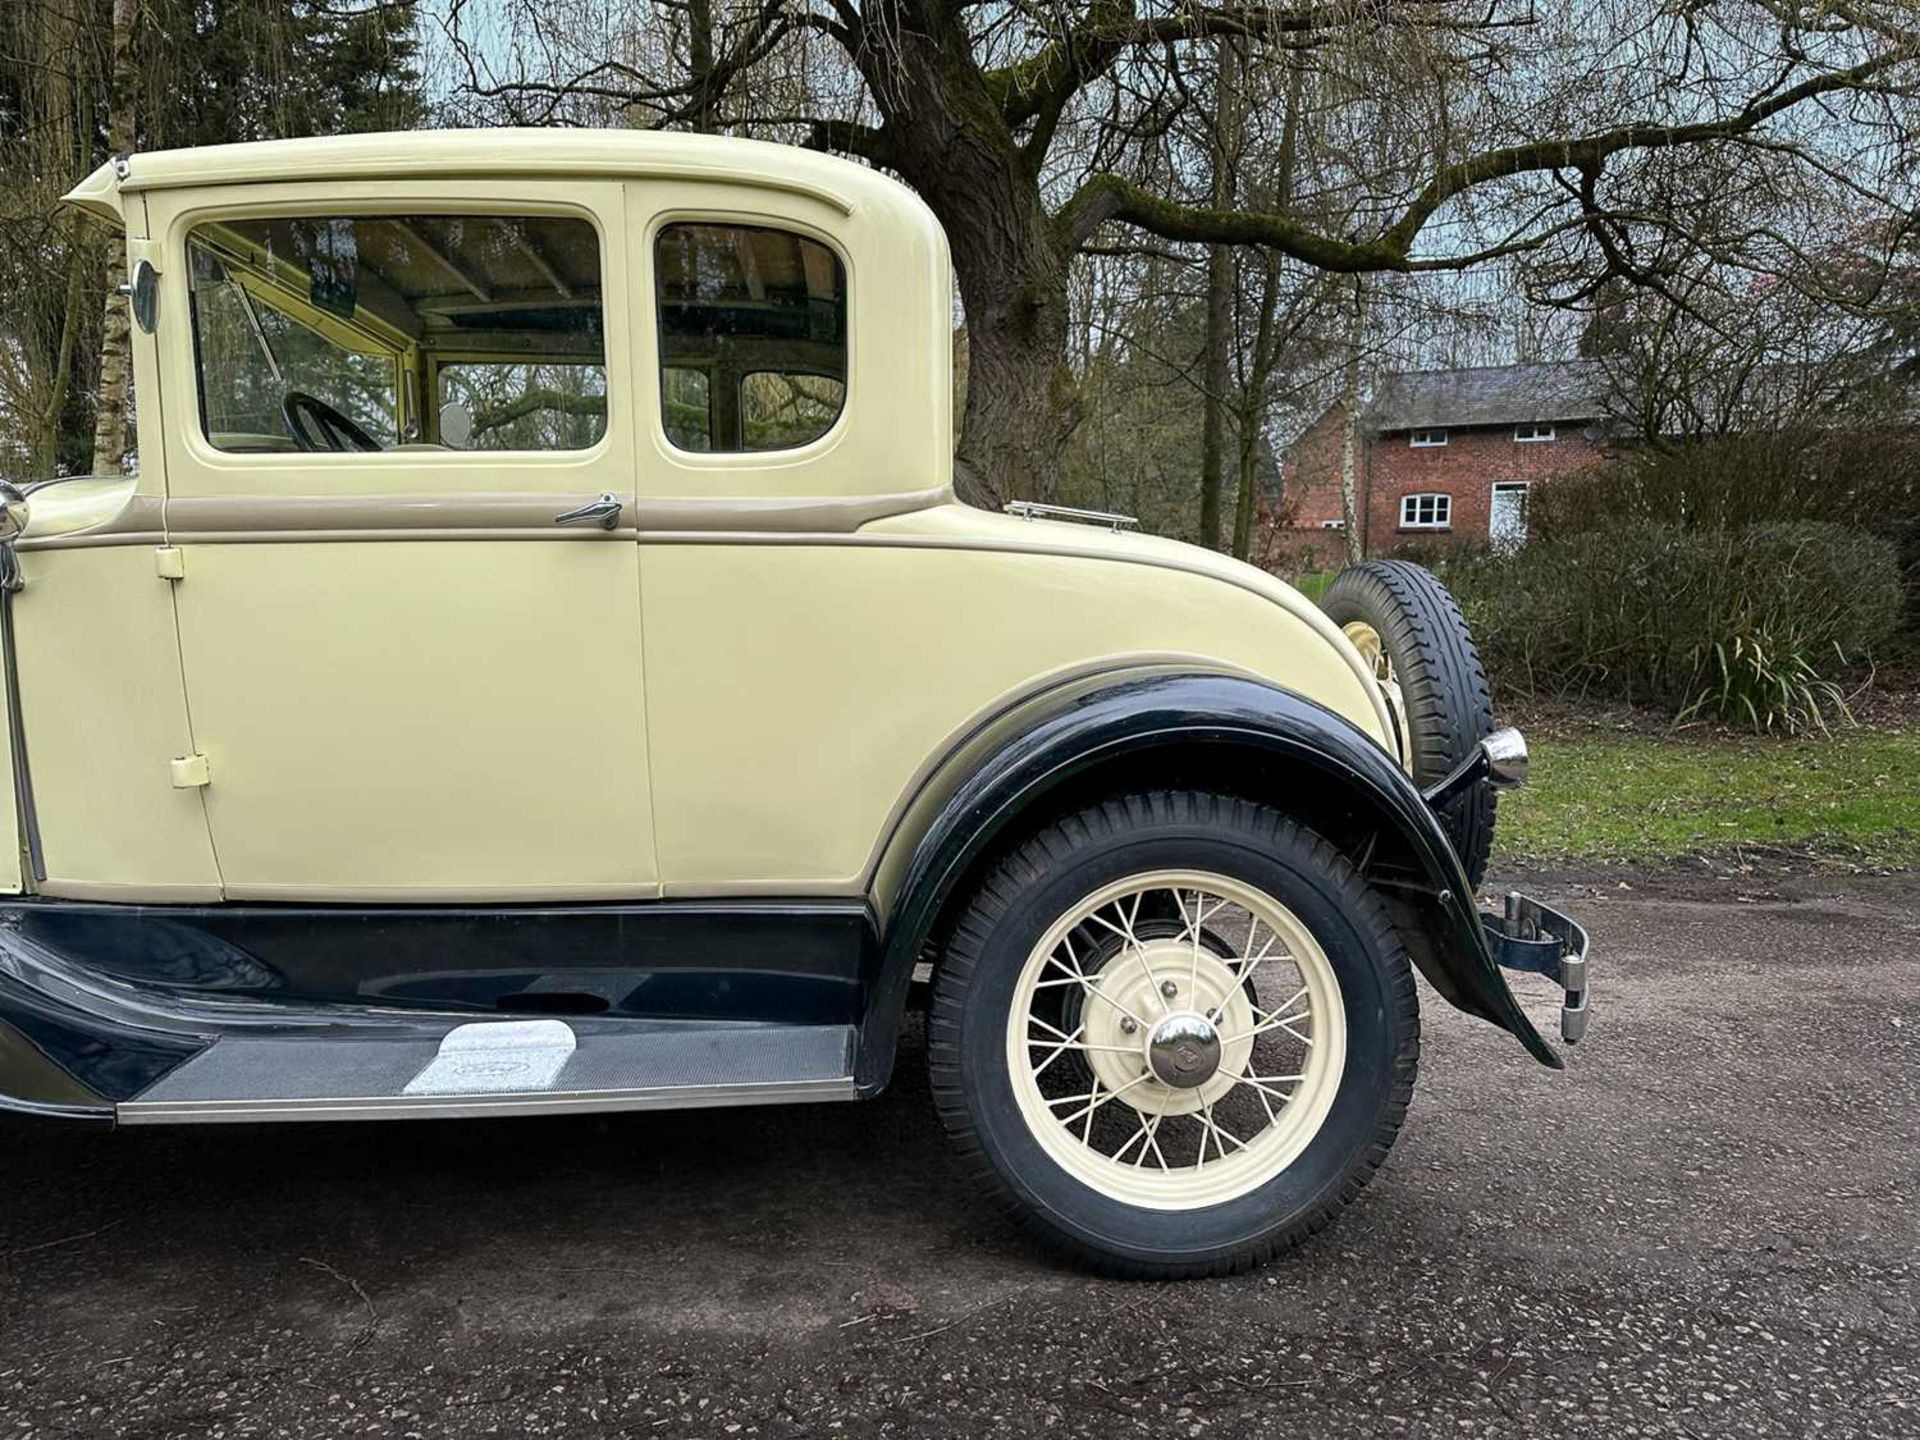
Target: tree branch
{"x": 849, "y": 138}
{"x": 1593, "y": 151}
{"x": 1108, "y": 197}
{"x": 1040, "y": 87}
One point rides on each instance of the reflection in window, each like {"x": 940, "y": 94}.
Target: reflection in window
{"x": 512, "y": 405}
{"x": 759, "y": 316}
{"x": 687, "y": 406}
{"x": 780, "y": 409}
{"x": 327, "y": 332}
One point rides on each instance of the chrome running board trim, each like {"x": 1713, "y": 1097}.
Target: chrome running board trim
{"x": 500, "y": 1067}
{"x": 461, "y": 1107}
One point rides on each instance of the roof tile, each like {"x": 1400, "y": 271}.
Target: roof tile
{"x": 1552, "y": 391}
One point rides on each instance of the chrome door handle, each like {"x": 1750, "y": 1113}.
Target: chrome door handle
{"x": 604, "y": 512}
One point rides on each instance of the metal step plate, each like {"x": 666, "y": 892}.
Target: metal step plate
{"x": 495, "y": 1059}
{"x": 501, "y": 1067}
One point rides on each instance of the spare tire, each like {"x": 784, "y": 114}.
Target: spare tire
{"x": 1405, "y": 624}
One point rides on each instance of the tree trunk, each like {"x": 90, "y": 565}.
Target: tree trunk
{"x": 110, "y": 417}
{"x": 1350, "y": 428}
{"x": 946, "y": 138}
{"x": 46, "y": 439}
{"x": 1266, "y": 339}
{"x": 1022, "y": 403}
{"x": 1253, "y": 408}
{"x": 1224, "y": 142}
{"x": 700, "y": 64}
{"x": 1215, "y": 379}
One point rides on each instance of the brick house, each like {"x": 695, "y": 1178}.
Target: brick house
{"x": 1443, "y": 453}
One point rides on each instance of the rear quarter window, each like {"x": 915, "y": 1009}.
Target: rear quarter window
{"x": 753, "y": 337}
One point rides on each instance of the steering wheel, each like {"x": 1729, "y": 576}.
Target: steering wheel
{"x": 316, "y": 425}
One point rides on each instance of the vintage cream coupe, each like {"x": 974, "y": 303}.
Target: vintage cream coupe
{"x": 540, "y": 666}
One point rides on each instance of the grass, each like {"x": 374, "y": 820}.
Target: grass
{"x": 1644, "y": 797}
{"x": 1314, "y": 583}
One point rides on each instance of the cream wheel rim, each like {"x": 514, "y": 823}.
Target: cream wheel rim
{"x": 1176, "y": 1039}
{"x": 1373, "y": 650}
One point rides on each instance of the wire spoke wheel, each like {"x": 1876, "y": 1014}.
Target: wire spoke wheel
{"x": 1176, "y": 1039}
{"x": 1373, "y": 650}
{"x": 1173, "y": 1033}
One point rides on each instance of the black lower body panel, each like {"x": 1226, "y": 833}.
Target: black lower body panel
{"x": 100, "y": 1003}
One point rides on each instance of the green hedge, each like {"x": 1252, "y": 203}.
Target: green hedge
{"x": 1754, "y": 625}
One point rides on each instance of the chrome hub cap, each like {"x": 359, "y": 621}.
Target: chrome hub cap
{"x": 1184, "y": 1051}
{"x": 1176, "y": 1039}
{"x": 1128, "y": 1012}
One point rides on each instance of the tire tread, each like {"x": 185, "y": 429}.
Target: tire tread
{"x": 1449, "y": 702}
{"x": 1026, "y": 865}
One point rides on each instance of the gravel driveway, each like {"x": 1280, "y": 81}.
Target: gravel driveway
{"x": 1708, "y": 1226}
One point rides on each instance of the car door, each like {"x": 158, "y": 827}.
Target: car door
{"x": 413, "y": 671}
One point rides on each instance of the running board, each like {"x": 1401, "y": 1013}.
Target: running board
{"x": 500, "y": 1067}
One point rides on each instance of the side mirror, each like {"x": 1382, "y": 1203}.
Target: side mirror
{"x": 456, "y": 425}
{"x": 13, "y": 512}
{"x": 142, "y": 289}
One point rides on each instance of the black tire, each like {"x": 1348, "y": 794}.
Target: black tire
{"x": 1037, "y": 884}
{"x": 1441, "y": 680}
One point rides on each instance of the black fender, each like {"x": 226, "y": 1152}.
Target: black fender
{"x": 1158, "y": 727}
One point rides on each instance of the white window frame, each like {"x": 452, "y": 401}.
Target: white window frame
{"x": 1439, "y": 508}
{"x": 1534, "y": 433}
{"x": 1333, "y": 524}
{"x": 1430, "y": 438}
{"x": 1493, "y": 510}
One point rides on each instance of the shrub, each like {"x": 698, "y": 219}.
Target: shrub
{"x": 1439, "y": 552}
{"x": 1752, "y": 625}
{"x": 1864, "y": 475}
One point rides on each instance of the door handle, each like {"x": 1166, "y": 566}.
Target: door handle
{"x": 604, "y": 512}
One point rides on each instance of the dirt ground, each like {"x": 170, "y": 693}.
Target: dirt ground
{"x": 1707, "y": 1226}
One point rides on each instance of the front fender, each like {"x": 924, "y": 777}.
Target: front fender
{"x": 1109, "y": 734}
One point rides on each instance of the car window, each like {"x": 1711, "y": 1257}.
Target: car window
{"x": 780, "y": 409}
{"x": 514, "y": 405}
{"x": 753, "y": 336}
{"x": 326, "y": 332}
{"x": 686, "y": 399}
{"x": 251, "y": 354}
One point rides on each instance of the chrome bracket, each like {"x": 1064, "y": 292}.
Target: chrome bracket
{"x": 1538, "y": 940}
{"x": 1034, "y": 510}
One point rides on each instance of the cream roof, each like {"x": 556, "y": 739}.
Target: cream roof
{"x": 438, "y": 154}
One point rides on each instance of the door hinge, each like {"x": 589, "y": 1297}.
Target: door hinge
{"x": 170, "y": 562}
{"x": 188, "y": 771}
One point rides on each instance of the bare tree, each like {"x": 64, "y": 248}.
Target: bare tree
{"x": 1350, "y": 405}
{"x": 1695, "y": 357}
{"x": 110, "y": 443}
{"x": 49, "y": 262}
{"x": 1225, "y": 137}
{"x": 1492, "y": 130}
{"x": 1262, "y": 355}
